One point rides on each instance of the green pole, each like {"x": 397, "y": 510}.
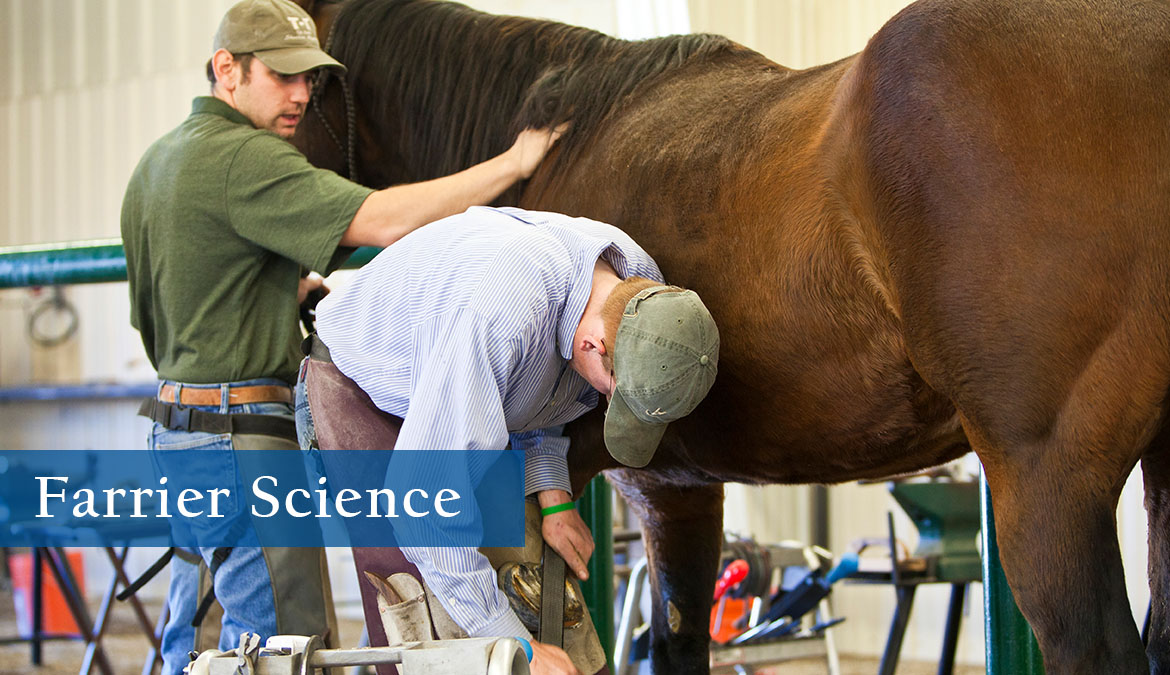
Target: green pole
{"x": 596, "y": 509}
{"x": 57, "y": 264}
{"x": 1011, "y": 647}
{"x": 86, "y": 262}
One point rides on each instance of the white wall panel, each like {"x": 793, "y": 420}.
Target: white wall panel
{"x": 7, "y": 176}
{"x": 795, "y": 33}
{"x": 8, "y": 50}
{"x": 599, "y": 14}
{"x": 95, "y": 83}
{"x": 68, "y": 425}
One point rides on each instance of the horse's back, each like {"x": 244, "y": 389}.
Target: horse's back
{"x": 1029, "y": 103}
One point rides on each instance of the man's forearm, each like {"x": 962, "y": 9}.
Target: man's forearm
{"x": 390, "y": 214}
{"x": 548, "y": 498}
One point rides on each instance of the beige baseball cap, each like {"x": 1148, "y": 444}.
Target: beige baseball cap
{"x": 278, "y": 32}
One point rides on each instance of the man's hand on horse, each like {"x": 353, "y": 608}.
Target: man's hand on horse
{"x": 566, "y": 532}
{"x": 531, "y": 145}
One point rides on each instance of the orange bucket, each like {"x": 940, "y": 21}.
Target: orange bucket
{"x": 733, "y": 611}
{"x": 56, "y": 617}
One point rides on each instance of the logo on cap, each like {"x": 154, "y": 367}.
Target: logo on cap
{"x": 304, "y": 29}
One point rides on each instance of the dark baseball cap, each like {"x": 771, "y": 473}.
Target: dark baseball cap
{"x": 278, "y": 32}
{"x": 665, "y": 360}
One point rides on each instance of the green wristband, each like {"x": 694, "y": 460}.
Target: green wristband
{"x": 549, "y": 510}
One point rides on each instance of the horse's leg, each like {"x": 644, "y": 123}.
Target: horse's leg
{"x": 1057, "y": 536}
{"x": 1156, "y": 475}
{"x": 1057, "y": 444}
{"x": 682, "y": 529}
{"x": 1056, "y": 470}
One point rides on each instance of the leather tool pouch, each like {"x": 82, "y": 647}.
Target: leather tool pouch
{"x": 402, "y": 604}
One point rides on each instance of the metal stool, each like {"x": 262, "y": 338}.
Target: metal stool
{"x": 48, "y": 546}
{"x": 946, "y": 515}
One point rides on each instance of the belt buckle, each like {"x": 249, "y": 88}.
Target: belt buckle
{"x": 180, "y": 418}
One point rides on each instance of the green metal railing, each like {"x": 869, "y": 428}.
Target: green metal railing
{"x": 596, "y": 508}
{"x": 82, "y": 262}
{"x": 1011, "y": 647}
{"x": 86, "y": 262}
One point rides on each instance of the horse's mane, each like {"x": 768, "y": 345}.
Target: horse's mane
{"x": 465, "y": 82}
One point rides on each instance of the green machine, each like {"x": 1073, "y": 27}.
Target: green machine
{"x": 951, "y": 517}
{"x": 946, "y": 515}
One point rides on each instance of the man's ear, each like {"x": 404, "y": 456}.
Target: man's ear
{"x": 587, "y": 344}
{"x": 226, "y": 69}
{"x": 591, "y": 342}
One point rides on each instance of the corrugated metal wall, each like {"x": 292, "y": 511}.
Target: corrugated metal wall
{"x": 796, "y": 33}
{"x": 91, "y": 84}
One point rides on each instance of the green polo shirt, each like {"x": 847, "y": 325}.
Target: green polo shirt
{"x": 218, "y": 221}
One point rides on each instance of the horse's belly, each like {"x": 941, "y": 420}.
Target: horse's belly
{"x": 757, "y": 432}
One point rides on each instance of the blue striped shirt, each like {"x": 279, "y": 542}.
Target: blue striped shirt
{"x": 464, "y": 329}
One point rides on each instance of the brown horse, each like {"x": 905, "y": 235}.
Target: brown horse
{"x": 959, "y": 237}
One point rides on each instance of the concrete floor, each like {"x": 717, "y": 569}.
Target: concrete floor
{"x": 126, "y": 649}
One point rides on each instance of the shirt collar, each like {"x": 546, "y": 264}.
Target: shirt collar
{"x": 582, "y": 286}
{"x": 215, "y": 106}
{"x": 585, "y": 249}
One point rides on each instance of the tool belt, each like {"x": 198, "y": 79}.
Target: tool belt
{"x": 172, "y": 416}
{"x": 314, "y": 348}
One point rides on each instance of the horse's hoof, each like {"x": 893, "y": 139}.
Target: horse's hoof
{"x": 521, "y": 584}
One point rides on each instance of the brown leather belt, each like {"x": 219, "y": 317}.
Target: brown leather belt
{"x": 256, "y": 393}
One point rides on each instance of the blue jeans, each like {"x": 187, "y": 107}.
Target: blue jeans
{"x": 244, "y": 583}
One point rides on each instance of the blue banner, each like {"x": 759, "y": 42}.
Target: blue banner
{"x": 261, "y": 498}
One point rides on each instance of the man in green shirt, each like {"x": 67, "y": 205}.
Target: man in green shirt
{"x": 220, "y": 219}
